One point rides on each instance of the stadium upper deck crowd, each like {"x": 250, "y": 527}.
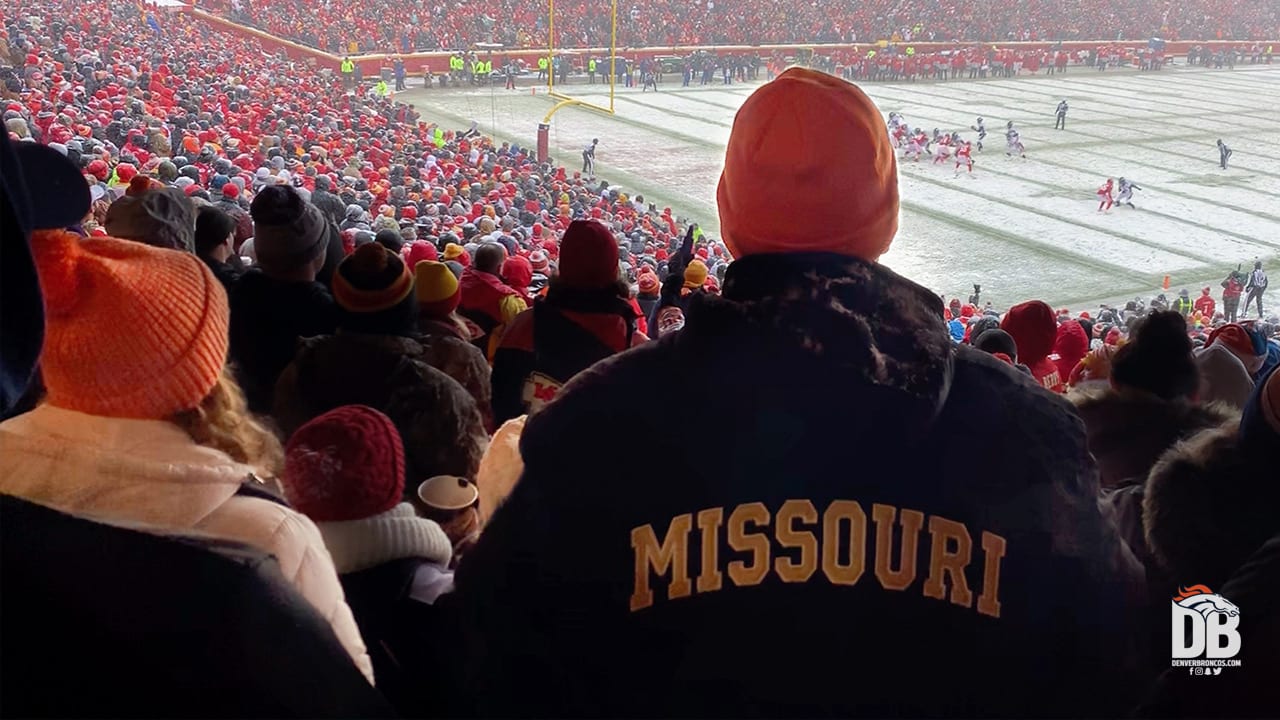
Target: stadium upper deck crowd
{"x": 334, "y": 24}
{"x": 285, "y": 322}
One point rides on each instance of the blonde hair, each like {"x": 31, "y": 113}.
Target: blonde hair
{"x": 222, "y": 421}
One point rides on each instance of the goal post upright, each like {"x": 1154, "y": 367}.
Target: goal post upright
{"x": 562, "y": 99}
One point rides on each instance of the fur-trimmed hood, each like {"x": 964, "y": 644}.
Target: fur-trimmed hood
{"x": 855, "y": 325}
{"x": 1205, "y": 510}
{"x": 1128, "y": 430}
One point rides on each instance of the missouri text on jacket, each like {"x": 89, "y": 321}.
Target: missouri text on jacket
{"x": 835, "y": 544}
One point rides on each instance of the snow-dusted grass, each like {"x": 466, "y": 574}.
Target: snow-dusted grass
{"x": 1021, "y": 228}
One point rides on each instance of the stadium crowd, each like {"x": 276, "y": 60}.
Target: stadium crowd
{"x": 336, "y": 25}
{"x": 340, "y": 413}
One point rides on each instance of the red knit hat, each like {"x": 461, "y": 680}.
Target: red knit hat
{"x": 588, "y": 256}
{"x": 419, "y": 251}
{"x": 808, "y": 168}
{"x": 133, "y": 331}
{"x": 346, "y": 464}
{"x": 517, "y": 271}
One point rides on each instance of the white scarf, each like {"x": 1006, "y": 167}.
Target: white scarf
{"x": 397, "y": 533}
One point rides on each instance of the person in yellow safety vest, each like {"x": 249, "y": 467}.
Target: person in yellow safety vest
{"x": 381, "y": 89}
{"x": 911, "y": 51}
{"x": 591, "y": 71}
{"x": 439, "y": 137}
{"x": 348, "y": 70}
{"x": 488, "y": 68}
{"x": 871, "y": 54}
{"x": 542, "y": 68}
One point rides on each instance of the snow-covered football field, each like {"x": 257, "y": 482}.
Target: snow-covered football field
{"x": 1021, "y": 228}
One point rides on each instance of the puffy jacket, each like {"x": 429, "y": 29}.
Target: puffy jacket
{"x": 768, "y": 577}
{"x": 151, "y": 472}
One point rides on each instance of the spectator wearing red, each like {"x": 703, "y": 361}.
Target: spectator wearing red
{"x": 486, "y": 299}
{"x": 1034, "y": 328}
{"x": 584, "y": 318}
{"x": 1069, "y": 348}
{"x": 1205, "y": 304}
{"x": 346, "y": 471}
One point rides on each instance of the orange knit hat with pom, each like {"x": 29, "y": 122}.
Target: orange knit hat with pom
{"x": 133, "y": 331}
{"x": 808, "y": 168}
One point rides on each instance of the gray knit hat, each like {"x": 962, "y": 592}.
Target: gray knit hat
{"x": 288, "y": 231}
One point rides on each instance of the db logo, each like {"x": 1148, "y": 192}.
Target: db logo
{"x": 1205, "y": 631}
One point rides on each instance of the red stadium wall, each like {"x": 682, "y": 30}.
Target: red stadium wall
{"x": 438, "y": 62}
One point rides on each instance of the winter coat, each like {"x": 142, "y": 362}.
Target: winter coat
{"x": 1231, "y": 288}
{"x": 544, "y": 347}
{"x": 487, "y": 302}
{"x": 329, "y": 205}
{"x": 462, "y": 361}
{"x": 120, "y": 622}
{"x": 1128, "y": 430}
{"x": 437, "y": 418}
{"x": 224, "y": 272}
{"x": 1210, "y": 516}
{"x": 830, "y": 393}
{"x": 649, "y": 306}
{"x": 1249, "y": 690}
{"x": 151, "y": 472}
{"x": 268, "y": 318}
{"x": 393, "y": 567}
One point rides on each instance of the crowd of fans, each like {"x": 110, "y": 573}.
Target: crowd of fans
{"x": 341, "y": 26}
{"x": 472, "y": 405}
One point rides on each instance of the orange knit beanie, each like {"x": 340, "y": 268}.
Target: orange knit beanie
{"x": 809, "y": 168}
{"x": 133, "y": 331}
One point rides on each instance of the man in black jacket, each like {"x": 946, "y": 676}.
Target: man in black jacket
{"x": 816, "y": 546}
{"x": 330, "y": 205}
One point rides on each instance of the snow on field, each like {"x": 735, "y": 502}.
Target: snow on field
{"x": 1021, "y": 228}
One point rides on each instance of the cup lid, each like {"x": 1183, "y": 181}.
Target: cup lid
{"x": 448, "y": 492}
